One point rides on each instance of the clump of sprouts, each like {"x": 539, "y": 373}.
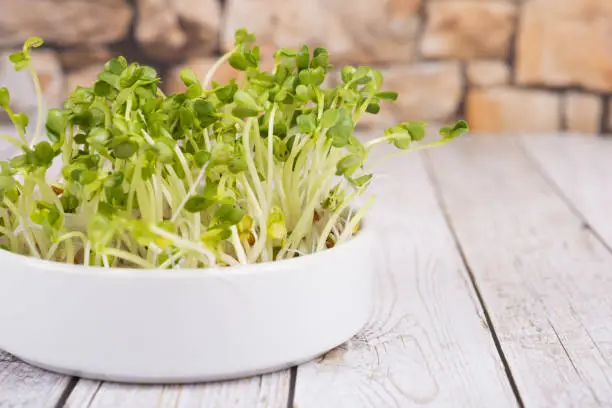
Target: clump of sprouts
{"x": 259, "y": 170}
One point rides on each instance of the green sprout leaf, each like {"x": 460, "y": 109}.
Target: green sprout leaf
{"x": 21, "y": 120}
{"x": 56, "y": 125}
{"x": 416, "y": 130}
{"x": 32, "y": 42}
{"x": 387, "y": 96}
{"x": 44, "y": 154}
{"x": 243, "y": 37}
{"x": 342, "y": 130}
{"x": 239, "y": 61}
{"x": 202, "y": 157}
{"x": 246, "y": 101}
{"x": 373, "y": 108}
{"x": 303, "y": 58}
{"x": 5, "y": 98}
{"x": 330, "y": 118}
{"x": 188, "y": 76}
{"x": 197, "y": 203}
{"x": 307, "y": 123}
{"x": 459, "y": 129}
{"x": 229, "y": 214}
{"x": 348, "y": 165}
{"x": 124, "y": 149}
{"x": 347, "y": 73}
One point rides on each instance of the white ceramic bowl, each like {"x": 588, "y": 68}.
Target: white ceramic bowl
{"x": 169, "y": 326}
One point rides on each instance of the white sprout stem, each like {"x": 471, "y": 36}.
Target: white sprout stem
{"x": 67, "y": 148}
{"x": 39, "y": 100}
{"x": 136, "y": 260}
{"x": 135, "y": 181}
{"x": 87, "y": 253}
{"x": 270, "y": 177}
{"x": 251, "y": 164}
{"x": 410, "y": 149}
{"x": 184, "y": 164}
{"x": 228, "y": 259}
{"x": 211, "y": 72}
{"x": 62, "y": 238}
{"x": 144, "y": 203}
{"x": 191, "y": 191}
{"x": 333, "y": 220}
{"x": 13, "y": 141}
{"x": 207, "y": 140}
{"x": 240, "y": 254}
{"x": 260, "y": 245}
{"x": 170, "y": 261}
{"x": 181, "y": 242}
{"x": 22, "y": 135}
{"x": 8, "y": 233}
{"x": 128, "y": 109}
{"x": 258, "y": 148}
{"x": 348, "y": 229}
{"x": 376, "y": 141}
{"x": 24, "y": 228}
{"x": 306, "y": 217}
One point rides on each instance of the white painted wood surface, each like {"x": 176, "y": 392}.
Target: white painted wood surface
{"x": 428, "y": 343}
{"x": 24, "y": 386}
{"x": 546, "y": 280}
{"x": 581, "y": 166}
{"x": 269, "y": 391}
{"x": 520, "y": 209}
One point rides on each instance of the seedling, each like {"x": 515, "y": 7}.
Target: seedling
{"x": 219, "y": 175}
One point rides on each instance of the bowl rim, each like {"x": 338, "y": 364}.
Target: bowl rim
{"x": 236, "y": 270}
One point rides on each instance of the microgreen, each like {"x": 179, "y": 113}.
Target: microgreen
{"x": 248, "y": 171}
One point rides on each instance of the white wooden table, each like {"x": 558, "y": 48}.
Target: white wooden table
{"x": 494, "y": 290}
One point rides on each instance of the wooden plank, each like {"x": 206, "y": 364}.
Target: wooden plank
{"x": 544, "y": 278}
{"x": 269, "y": 391}
{"x": 428, "y": 343}
{"x": 25, "y": 386}
{"x": 581, "y": 166}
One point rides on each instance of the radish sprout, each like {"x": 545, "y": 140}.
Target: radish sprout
{"x": 259, "y": 170}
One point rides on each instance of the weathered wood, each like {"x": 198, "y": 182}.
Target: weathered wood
{"x": 269, "y": 391}
{"x": 428, "y": 343}
{"x": 581, "y": 166}
{"x": 545, "y": 279}
{"x": 25, "y": 386}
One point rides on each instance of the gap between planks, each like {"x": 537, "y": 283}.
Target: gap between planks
{"x": 545, "y": 279}
{"x": 428, "y": 342}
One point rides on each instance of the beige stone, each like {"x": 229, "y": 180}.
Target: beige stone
{"x": 84, "y": 77}
{"x": 488, "y": 73}
{"x": 468, "y": 29}
{"x": 173, "y": 29}
{"x": 564, "y": 43}
{"x": 64, "y": 22}
{"x": 360, "y": 31}
{"x": 513, "y": 110}
{"x": 80, "y": 57}
{"x": 608, "y": 111}
{"x": 583, "y": 112}
{"x": 21, "y": 86}
{"x": 430, "y": 91}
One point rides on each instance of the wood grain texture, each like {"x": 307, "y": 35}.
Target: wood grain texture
{"x": 269, "y": 391}
{"x": 427, "y": 344}
{"x": 25, "y": 386}
{"x": 545, "y": 279}
{"x": 581, "y": 166}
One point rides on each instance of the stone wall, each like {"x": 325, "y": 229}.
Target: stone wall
{"x": 505, "y": 65}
